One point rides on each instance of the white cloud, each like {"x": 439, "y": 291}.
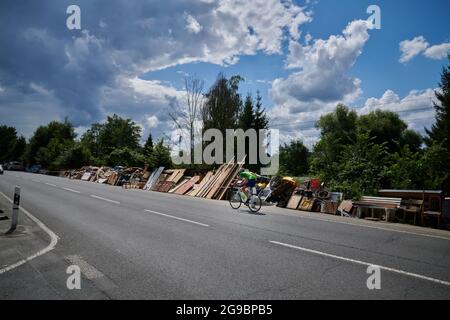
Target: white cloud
{"x": 152, "y": 122}
{"x": 192, "y": 25}
{"x": 411, "y": 48}
{"x": 416, "y": 109}
{"x": 419, "y": 45}
{"x": 438, "y": 52}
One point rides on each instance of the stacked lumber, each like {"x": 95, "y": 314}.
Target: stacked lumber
{"x": 198, "y": 186}
{"x": 217, "y": 186}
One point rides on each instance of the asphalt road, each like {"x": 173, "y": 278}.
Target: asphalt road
{"x": 134, "y": 244}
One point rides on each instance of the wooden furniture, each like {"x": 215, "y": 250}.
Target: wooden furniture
{"x": 389, "y": 205}
{"x": 432, "y": 202}
{"x": 411, "y": 207}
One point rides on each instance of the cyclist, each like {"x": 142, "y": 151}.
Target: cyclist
{"x": 251, "y": 182}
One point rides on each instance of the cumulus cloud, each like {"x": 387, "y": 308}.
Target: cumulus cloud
{"x": 438, "y": 52}
{"x": 411, "y": 48}
{"x": 95, "y": 71}
{"x": 419, "y": 45}
{"x": 321, "y": 80}
{"x": 416, "y": 109}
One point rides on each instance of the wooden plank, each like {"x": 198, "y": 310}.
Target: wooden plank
{"x": 226, "y": 186}
{"x": 199, "y": 186}
{"x": 294, "y": 201}
{"x": 207, "y": 187}
{"x": 187, "y": 186}
{"x": 179, "y": 185}
{"x": 219, "y": 181}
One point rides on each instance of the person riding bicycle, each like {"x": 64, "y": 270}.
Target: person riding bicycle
{"x": 251, "y": 182}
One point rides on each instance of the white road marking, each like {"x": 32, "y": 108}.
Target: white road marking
{"x": 177, "y": 218}
{"x": 104, "y": 199}
{"x": 406, "y": 273}
{"x": 89, "y": 271}
{"x": 380, "y": 228}
{"x": 71, "y": 190}
{"x": 38, "y": 181}
{"x": 51, "y": 184}
{"x": 53, "y": 240}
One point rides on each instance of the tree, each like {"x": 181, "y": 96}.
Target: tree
{"x": 253, "y": 116}
{"x": 148, "y": 146}
{"x": 160, "y": 156}
{"x": 19, "y": 148}
{"x": 294, "y": 159}
{"x": 75, "y": 156}
{"x": 11, "y": 147}
{"x": 246, "y": 118}
{"x": 223, "y": 104}
{"x": 126, "y": 157}
{"x": 440, "y": 131}
{"x": 361, "y": 168}
{"x": 384, "y": 127}
{"x": 116, "y": 133}
{"x": 337, "y": 130}
{"x": 186, "y": 116}
{"x": 438, "y": 139}
{"x": 49, "y": 141}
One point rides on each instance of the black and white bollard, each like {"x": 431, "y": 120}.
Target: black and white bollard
{"x": 15, "y": 210}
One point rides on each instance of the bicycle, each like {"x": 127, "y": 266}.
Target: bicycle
{"x": 239, "y": 197}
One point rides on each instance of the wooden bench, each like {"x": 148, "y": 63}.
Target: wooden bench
{"x": 387, "y": 204}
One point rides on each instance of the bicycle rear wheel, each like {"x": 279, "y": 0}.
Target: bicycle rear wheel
{"x": 235, "y": 200}
{"x": 255, "y": 204}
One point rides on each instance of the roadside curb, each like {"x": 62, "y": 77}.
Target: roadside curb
{"x": 53, "y": 239}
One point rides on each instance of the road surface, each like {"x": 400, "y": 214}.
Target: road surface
{"x": 134, "y": 244}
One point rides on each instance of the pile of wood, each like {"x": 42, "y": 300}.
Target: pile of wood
{"x": 219, "y": 183}
{"x": 213, "y": 184}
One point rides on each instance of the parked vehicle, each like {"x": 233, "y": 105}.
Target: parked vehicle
{"x": 35, "y": 168}
{"x": 1, "y": 169}
{"x": 15, "y": 166}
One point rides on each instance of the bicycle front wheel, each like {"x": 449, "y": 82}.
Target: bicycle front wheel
{"x": 235, "y": 200}
{"x": 255, "y": 204}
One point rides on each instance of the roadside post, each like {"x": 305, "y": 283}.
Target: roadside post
{"x": 15, "y": 210}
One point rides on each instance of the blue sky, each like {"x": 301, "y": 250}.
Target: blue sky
{"x": 130, "y": 58}
{"x": 378, "y": 66}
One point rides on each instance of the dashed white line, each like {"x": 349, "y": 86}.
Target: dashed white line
{"x": 51, "y": 184}
{"x": 53, "y": 240}
{"x": 104, "y": 199}
{"x": 177, "y": 218}
{"x": 406, "y": 273}
{"x": 71, "y": 190}
{"x": 38, "y": 181}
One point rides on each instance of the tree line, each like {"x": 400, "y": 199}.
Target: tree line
{"x": 355, "y": 154}
{"x": 360, "y": 154}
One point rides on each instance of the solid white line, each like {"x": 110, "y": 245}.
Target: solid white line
{"x": 104, "y": 199}
{"x": 71, "y": 190}
{"x": 89, "y": 271}
{"x": 406, "y": 273}
{"x": 380, "y": 228}
{"x": 54, "y": 240}
{"x": 177, "y": 218}
{"x": 51, "y": 184}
